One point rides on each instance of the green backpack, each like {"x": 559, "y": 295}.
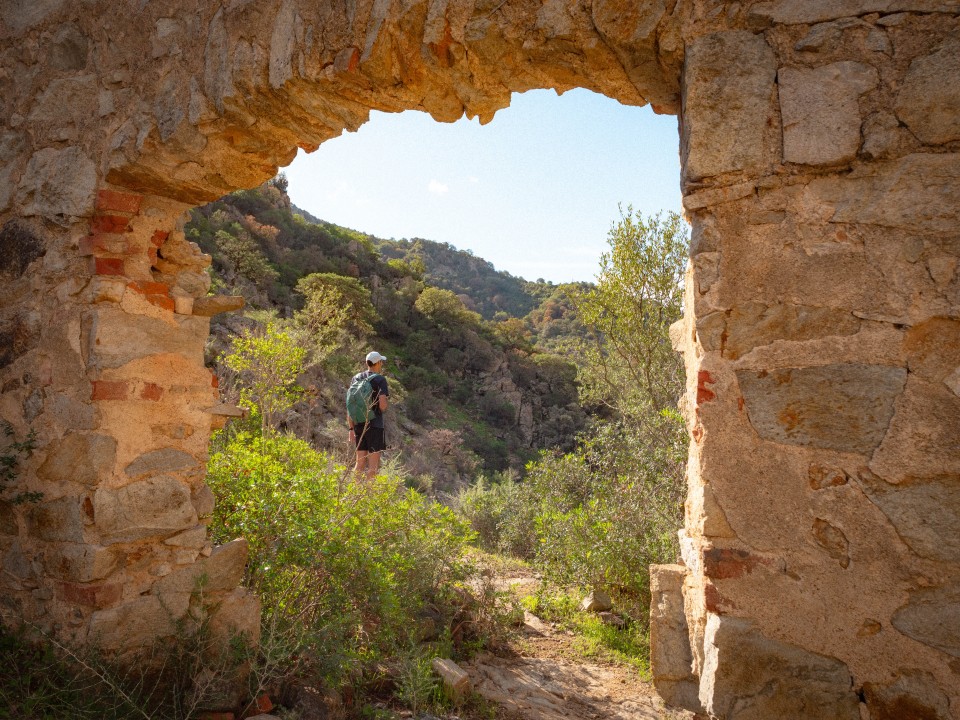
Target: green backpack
{"x": 359, "y": 398}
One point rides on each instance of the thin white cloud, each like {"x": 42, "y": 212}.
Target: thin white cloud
{"x": 438, "y": 188}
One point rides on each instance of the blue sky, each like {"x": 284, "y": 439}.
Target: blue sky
{"x": 535, "y": 191}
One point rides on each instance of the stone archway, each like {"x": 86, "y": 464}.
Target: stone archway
{"x": 821, "y": 173}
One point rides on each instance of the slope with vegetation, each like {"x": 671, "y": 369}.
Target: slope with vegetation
{"x": 560, "y": 426}
{"x": 466, "y": 389}
{"x": 537, "y": 430}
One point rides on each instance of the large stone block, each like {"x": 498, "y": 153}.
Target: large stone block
{"x": 932, "y": 617}
{"x": 116, "y": 337}
{"x": 216, "y": 304}
{"x": 913, "y": 694}
{"x": 223, "y": 570}
{"x": 194, "y": 538}
{"x": 57, "y": 521}
{"x": 790, "y": 12}
{"x": 19, "y": 246}
{"x": 835, "y": 407}
{"x": 80, "y": 458}
{"x": 58, "y": 183}
{"x": 133, "y": 625}
{"x": 236, "y": 615}
{"x": 820, "y": 111}
{"x": 157, "y": 462}
{"x": 919, "y": 193}
{"x": 922, "y": 440}
{"x": 728, "y": 99}
{"x": 79, "y": 563}
{"x": 671, "y": 660}
{"x": 925, "y": 514}
{"x": 14, "y": 563}
{"x": 929, "y": 98}
{"x": 156, "y": 506}
{"x": 748, "y": 676}
{"x": 751, "y": 325}
{"x": 65, "y": 101}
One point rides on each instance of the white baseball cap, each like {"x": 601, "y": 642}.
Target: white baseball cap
{"x": 374, "y": 357}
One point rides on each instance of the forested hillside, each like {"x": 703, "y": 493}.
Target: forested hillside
{"x": 473, "y": 385}
{"x": 537, "y": 423}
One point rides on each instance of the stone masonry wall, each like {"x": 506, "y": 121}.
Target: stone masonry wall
{"x": 822, "y": 344}
{"x": 820, "y": 143}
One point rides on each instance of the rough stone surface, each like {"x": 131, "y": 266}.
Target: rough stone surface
{"x": 203, "y": 501}
{"x": 19, "y": 247}
{"x": 193, "y": 538}
{"x": 237, "y": 615}
{"x": 167, "y": 460}
{"x": 80, "y": 563}
{"x": 812, "y": 11}
{"x": 810, "y": 263}
{"x": 913, "y": 694}
{"x": 747, "y": 675}
{"x": 932, "y": 617}
{"x": 832, "y": 539}
{"x": 820, "y": 111}
{"x": 216, "y": 304}
{"x": 135, "y": 624}
{"x": 8, "y": 519}
{"x": 596, "y": 601}
{"x": 745, "y": 327}
{"x": 839, "y": 407}
{"x": 57, "y": 520}
{"x": 728, "y": 95}
{"x": 918, "y": 191}
{"x": 929, "y": 99}
{"x": 925, "y": 514}
{"x": 80, "y": 458}
{"x": 156, "y": 506}
{"x": 921, "y": 441}
{"x": 116, "y": 337}
{"x": 223, "y": 570}
{"x": 58, "y": 183}
{"x": 671, "y": 661}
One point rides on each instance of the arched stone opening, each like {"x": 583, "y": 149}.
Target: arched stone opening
{"x": 821, "y": 154}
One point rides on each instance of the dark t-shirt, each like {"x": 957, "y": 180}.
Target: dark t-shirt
{"x": 379, "y": 383}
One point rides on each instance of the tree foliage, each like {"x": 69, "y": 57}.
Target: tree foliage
{"x": 267, "y": 361}
{"x": 600, "y": 515}
{"x": 638, "y": 295}
{"x": 350, "y": 565}
{"x": 337, "y": 313}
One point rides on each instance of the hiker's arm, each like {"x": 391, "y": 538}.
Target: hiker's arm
{"x": 382, "y": 401}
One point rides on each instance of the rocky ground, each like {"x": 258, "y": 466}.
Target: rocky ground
{"x": 541, "y": 676}
{"x": 537, "y": 673}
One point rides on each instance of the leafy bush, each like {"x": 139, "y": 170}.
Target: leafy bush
{"x": 609, "y": 511}
{"x": 352, "y": 562}
{"x": 502, "y": 514}
{"x": 600, "y": 515}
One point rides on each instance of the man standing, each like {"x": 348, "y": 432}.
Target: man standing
{"x": 366, "y": 403}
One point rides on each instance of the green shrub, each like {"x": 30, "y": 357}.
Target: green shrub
{"x": 351, "y": 561}
{"x": 501, "y": 513}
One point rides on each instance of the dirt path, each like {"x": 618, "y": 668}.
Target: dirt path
{"x": 543, "y": 678}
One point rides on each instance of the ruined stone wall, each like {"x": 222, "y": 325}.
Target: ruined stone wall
{"x": 821, "y": 152}
{"x": 116, "y": 120}
{"x": 822, "y": 344}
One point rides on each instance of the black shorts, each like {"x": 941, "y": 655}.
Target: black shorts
{"x": 370, "y": 439}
